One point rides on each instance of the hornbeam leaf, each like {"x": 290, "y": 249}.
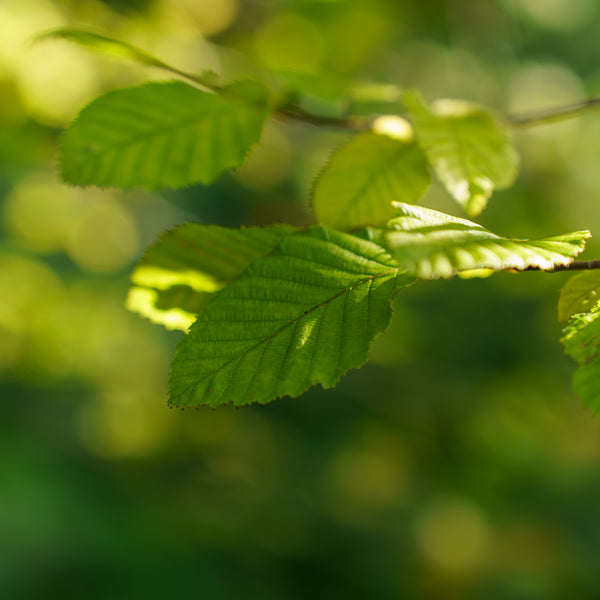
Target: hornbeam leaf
{"x": 162, "y": 135}
{"x": 186, "y": 267}
{"x": 304, "y": 314}
{"x": 467, "y": 145}
{"x": 580, "y": 294}
{"x": 365, "y": 176}
{"x": 433, "y": 245}
{"x": 581, "y": 340}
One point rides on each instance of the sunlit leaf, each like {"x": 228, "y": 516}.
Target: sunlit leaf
{"x": 162, "y": 134}
{"x": 107, "y": 45}
{"x": 188, "y": 265}
{"x": 433, "y": 245}
{"x": 365, "y": 176}
{"x": 468, "y": 146}
{"x": 579, "y": 294}
{"x": 304, "y": 314}
{"x": 581, "y": 340}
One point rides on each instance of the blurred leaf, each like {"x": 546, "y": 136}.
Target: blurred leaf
{"x": 373, "y": 92}
{"x": 337, "y": 96}
{"x": 324, "y": 94}
{"x": 433, "y": 245}
{"x": 467, "y": 145}
{"x": 188, "y": 265}
{"x": 107, "y": 45}
{"x": 304, "y": 314}
{"x": 162, "y": 134}
{"x": 365, "y": 176}
{"x": 581, "y": 339}
{"x": 579, "y": 294}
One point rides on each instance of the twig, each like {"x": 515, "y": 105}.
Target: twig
{"x": 356, "y": 123}
{"x": 551, "y": 115}
{"x": 532, "y": 119}
{"x": 298, "y": 114}
{"x": 349, "y": 123}
{"x": 580, "y": 265}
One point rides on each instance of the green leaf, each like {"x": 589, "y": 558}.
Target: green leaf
{"x": 365, "y": 176}
{"x": 316, "y": 93}
{"x": 579, "y": 294}
{"x": 107, "y": 45}
{"x": 581, "y": 339}
{"x": 467, "y": 145}
{"x": 304, "y": 314}
{"x": 433, "y": 245}
{"x": 162, "y": 134}
{"x": 188, "y": 265}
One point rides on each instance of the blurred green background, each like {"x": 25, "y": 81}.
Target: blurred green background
{"x": 456, "y": 464}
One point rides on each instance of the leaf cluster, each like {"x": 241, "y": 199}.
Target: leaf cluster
{"x": 273, "y": 311}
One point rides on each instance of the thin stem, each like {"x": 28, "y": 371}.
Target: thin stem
{"x": 579, "y": 265}
{"x": 298, "y": 114}
{"x": 552, "y": 115}
{"x": 356, "y": 123}
{"x": 289, "y": 112}
{"x": 532, "y": 119}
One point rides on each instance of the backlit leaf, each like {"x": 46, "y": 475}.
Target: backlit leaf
{"x": 162, "y": 135}
{"x": 189, "y": 264}
{"x": 304, "y": 314}
{"x": 581, "y": 340}
{"x": 435, "y": 245}
{"x": 579, "y": 295}
{"x": 467, "y": 145}
{"x": 365, "y": 176}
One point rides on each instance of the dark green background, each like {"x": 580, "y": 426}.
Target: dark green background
{"x": 456, "y": 464}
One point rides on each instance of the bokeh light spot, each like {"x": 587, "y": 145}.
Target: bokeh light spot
{"x": 55, "y": 79}
{"x": 538, "y": 86}
{"x": 371, "y": 475}
{"x": 11, "y": 345}
{"x": 394, "y": 127}
{"x": 105, "y": 236}
{"x": 453, "y": 534}
{"x": 560, "y": 15}
{"x": 20, "y": 20}
{"x": 122, "y": 424}
{"x": 210, "y": 16}
{"x": 40, "y": 212}
{"x": 289, "y": 43}
{"x": 27, "y": 288}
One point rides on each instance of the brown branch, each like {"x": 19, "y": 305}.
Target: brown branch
{"x": 531, "y": 119}
{"x": 298, "y": 114}
{"x": 358, "y": 123}
{"x": 580, "y": 265}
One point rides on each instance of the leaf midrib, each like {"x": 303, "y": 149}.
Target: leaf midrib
{"x": 192, "y": 387}
{"x": 106, "y": 149}
{"x": 375, "y": 175}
